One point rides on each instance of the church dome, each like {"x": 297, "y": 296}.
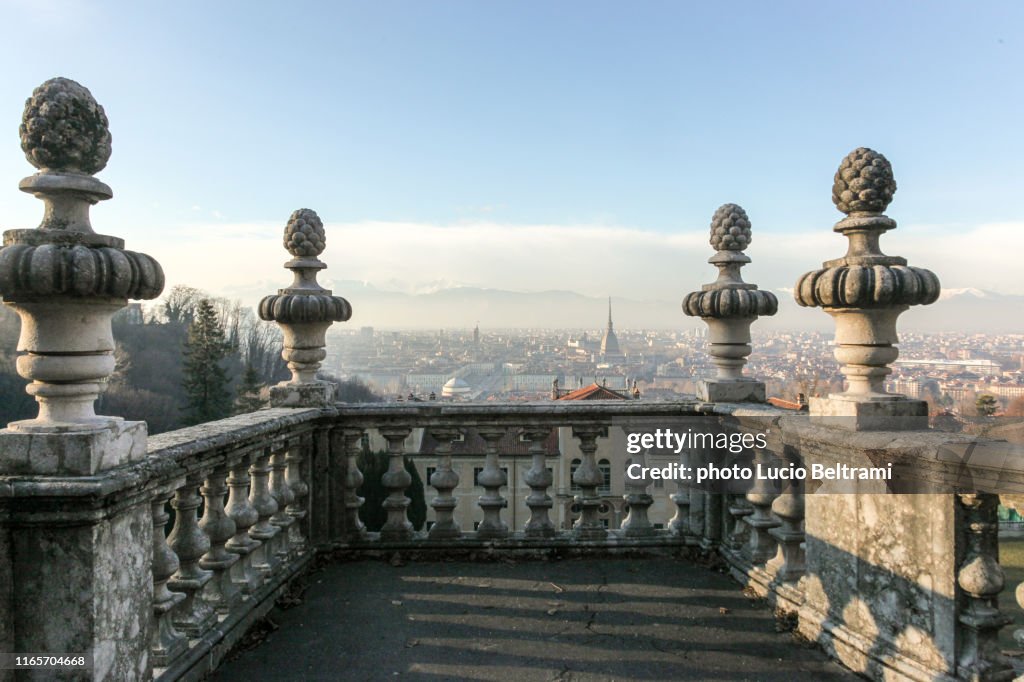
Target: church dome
{"x": 455, "y": 388}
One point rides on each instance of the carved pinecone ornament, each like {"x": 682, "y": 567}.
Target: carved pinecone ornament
{"x": 304, "y": 236}
{"x": 864, "y": 182}
{"x": 730, "y": 228}
{"x": 64, "y": 128}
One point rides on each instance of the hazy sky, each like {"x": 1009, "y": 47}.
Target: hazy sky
{"x": 533, "y": 145}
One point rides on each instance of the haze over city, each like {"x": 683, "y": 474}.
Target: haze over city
{"x": 579, "y": 147}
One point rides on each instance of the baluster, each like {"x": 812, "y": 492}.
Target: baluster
{"x": 679, "y": 524}
{"x": 445, "y": 479}
{"x": 637, "y": 523}
{"x": 296, "y": 460}
{"x": 713, "y": 521}
{"x": 981, "y": 577}
{"x": 588, "y": 477}
{"x": 194, "y": 615}
{"x": 221, "y": 592}
{"x": 264, "y": 557}
{"x": 166, "y": 643}
{"x": 355, "y": 529}
{"x": 492, "y": 478}
{"x": 539, "y": 479}
{"x": 788, "y": 565}
{"x": 283, "y": 496}
{"x": 739, "y": 509}
{"x": 243, "y": 573}
{"x": 1015, "y": 503}
{"x": 396, "y": 480}
{"x": 760, "y": 497}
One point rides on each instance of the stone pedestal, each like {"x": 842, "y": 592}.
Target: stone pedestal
{"x": 728, "y": 306}
{"x": 731, "y": 391}
{"x": 84, "y": 588}
{"x": 304, "y": 311}
{"x": 892, "y": 413}
{"x": 72, "y": 452}
{"x": 316, "y": 393}
{"x": 865, "y": 292}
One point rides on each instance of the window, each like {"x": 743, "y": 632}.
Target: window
{"x": 573, "y": 466}
{"x": 606, "y": 473}
{"x": 430, "y": 473}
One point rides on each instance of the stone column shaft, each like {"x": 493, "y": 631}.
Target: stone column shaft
{"x": 492, "y": 478}
{"x": 539, "y": 479}
{"x": 397, "y": 480}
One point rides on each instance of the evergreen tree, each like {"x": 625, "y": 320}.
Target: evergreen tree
{"x": 205, "y": 379}
{"x": 373, "y": 466}
{"x": 986, "y": 405}
{"x": 249, "y": 399}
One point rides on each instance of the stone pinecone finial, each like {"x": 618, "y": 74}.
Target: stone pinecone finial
{"x": 63, "y": 128}
{"x": 730, "y": 228}
{"x": 864, "y": 182}
{"x": 729, "y": 296}
{"x": 865, "y": 277}
{"x": 304, "y": 235}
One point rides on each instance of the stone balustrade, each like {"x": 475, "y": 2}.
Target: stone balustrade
{"x": 895, "y": 582}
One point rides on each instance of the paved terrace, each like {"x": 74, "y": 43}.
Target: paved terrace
{"x": 572, "y": 619}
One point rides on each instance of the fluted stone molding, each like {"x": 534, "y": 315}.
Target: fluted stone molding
{"x": 304, "y": 311}
{"x": 981, "y": 578}
{"x": 864, "y": 292}
{"x": 492, "y": 478}
{"x": 244, "y": 515}
{"x": 589, "y": 478}
{"x": 195, "y": 615}
{"x": 539, "y": 479}
{"x": 728, "y": 306}
{"x": 166, "y": 642}
{"x": 396, "y": 480}
{"x": 66, "y": 281}
{"x": 445, "y": 480}
{"x": 221, "y": 592}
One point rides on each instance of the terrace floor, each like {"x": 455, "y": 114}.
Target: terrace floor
{"x": 571, "y": 619}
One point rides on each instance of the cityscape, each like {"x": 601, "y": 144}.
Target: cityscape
{"x": 948, "y": 370}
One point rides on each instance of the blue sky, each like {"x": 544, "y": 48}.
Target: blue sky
{"x": 639, "y": 117}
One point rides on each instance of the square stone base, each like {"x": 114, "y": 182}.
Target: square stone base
{"x": 736, "y": 391}
{"x": 77, "y": 453}
{"x": 883, "y": 414}
{"x": 315, "y": 394}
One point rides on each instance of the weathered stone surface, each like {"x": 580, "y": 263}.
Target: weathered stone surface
{"x": 302, "y": 395}
{"x": 735, "y": 391}
{"x": 895, "y": 414}
{"x": 865, "y": 291}
{"x": 70, "y": 452}
{"x": 64, "y": 128}
{"x": 64, "y": 281}
{"x": 304, "y": 311}
{"x": 86, "y": 589}
{"x": 729, "y": 305}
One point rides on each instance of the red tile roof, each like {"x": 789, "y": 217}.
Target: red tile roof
{"x": 594, "y": 392}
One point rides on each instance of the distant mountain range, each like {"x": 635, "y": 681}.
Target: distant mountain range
{"x": 461, "y": 307}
